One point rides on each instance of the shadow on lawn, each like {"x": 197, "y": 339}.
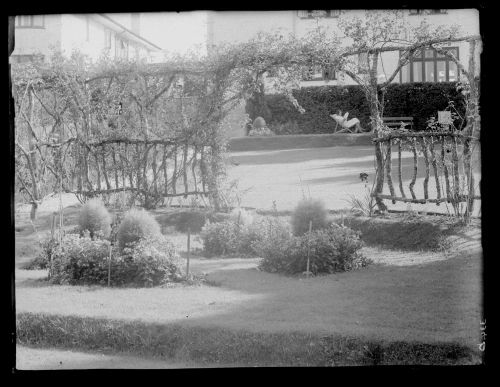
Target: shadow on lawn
{"x": 379, "y": 315}
{"x": 300, "y": 155}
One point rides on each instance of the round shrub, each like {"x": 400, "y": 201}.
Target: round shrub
{"x": 95, "y": 218}
{"x": 309, "y": 210}
{"x": 136, "y": 224}
{"x": 259, "y": 122}
{"x": 331, "y": 250}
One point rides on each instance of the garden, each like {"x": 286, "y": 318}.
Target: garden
{"x": 130, "y": 238}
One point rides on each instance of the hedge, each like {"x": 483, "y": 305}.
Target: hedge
{"x": 418, "y": 100}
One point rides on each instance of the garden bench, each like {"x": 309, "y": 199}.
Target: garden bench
{"x": 395, "y": 122}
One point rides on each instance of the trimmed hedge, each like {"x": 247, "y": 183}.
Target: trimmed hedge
{"x": 418, "y": 100}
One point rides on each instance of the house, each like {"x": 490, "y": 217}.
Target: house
{"x": 425, "y": 66}
{"x": 93, "y": 34}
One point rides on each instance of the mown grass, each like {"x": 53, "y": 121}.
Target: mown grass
{"x": 217, "y": 345}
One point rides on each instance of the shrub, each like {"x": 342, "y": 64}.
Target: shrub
{"x": 135, "y": 225}
{"x": 419, "y": 100}
{"x": 220, "y": 238}
{"x": 259, "y": 123}
{"x": 41, "y": 261}
{"x": 230, "y": 237}
{"x": 309, "y": 210}
{"x": 265, "y": 131}
{"x": 80, "y": 260}
{"x": 150, "y": 262}
{"x": 261, "y": 230}
{"x": 331, "y": 250}
{"x": 84, "y": 261}
{"x": 95, "y": 218}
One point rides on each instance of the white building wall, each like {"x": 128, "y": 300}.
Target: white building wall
{"x": 30, "y": 41}
{"x": 242, "y": 26}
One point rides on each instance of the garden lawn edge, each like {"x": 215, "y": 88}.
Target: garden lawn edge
{"x": 225, "y": 346}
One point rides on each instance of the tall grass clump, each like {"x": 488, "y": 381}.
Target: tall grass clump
{"x": 95, "y": 218}
{"x": 136, "y": 224}
{"x": 309, "y": 210}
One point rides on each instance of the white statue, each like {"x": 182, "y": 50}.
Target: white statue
{"x": 351, "y": 126}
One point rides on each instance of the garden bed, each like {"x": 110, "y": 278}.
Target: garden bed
{"x": 410, "y": 307}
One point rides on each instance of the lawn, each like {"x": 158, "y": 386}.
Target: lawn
{"x": 417, "y": 294}
{"x": 330, "y": 174}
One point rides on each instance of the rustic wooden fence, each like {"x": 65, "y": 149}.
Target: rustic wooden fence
{"x": 150, "y": 169}
{"x": 447, "y": 156}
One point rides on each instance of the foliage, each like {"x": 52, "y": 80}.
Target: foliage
{"x": 220, "y": 238}
{"x": 95, "y": 218}
{"x": 264, "y": 229}
{"x": 309, "y": 210}
{"x": 136, "y": 224}
{"x": 364, "y": 205}
{"x": 264, "y": 131}
{"x": 80, "y": 260}
{"x": 84, "y": 261}
{"x": 41, "y": 261}
{"x": 417, "y": 100}
{"x": 231, "y": 237}
{"x": 150, "y": 262}
{"x": 259, "y": 123}
{"x": 330, "y": 250}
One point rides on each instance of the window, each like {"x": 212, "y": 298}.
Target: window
{"x": 430, "y": 66}
{"x": 427, "y": 11}
{"x": 30, "y": 21}
{"x": 319, "y": 73}
{"x": 315, "y": 14}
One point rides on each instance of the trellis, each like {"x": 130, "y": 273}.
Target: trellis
{"x": 151, "y": 169}
{"x": 453, "y": 178}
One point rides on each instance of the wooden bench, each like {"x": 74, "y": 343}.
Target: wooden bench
{"x": 395, "y": 122}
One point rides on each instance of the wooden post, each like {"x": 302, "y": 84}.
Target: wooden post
{"x": 388, "y": 168}
{"x": 109, "y": 265}
{"x": 53, "y": 226}
{"x": 308, "y": 247}
{"x": 415, "y": 164}
{"x": 188, "y": 251}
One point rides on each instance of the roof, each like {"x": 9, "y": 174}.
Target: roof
{"x": 127, "y": 32}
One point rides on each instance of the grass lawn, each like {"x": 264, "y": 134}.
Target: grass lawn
{"x": 414, "y": 296}
{"x": 330, "y": 174}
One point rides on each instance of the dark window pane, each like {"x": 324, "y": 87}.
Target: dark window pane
{"x": 441, "y": 71}
{"x": 429, "y": 53}
{"x": 417, "y": 71}
{"x": 429, "y": 72}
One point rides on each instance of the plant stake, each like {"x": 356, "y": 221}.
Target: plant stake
{"x": 308, "y": 247}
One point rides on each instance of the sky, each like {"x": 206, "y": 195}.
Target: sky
{"x": 175, "y": 32}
